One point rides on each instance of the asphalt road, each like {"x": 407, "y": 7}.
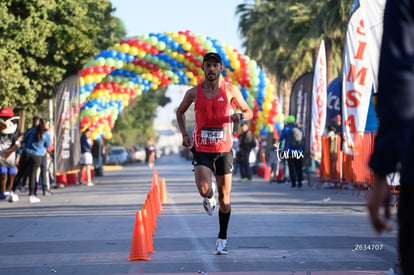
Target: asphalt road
{"x": 274, "y": 229}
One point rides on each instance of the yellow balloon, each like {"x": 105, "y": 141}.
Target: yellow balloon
{"x": 174, "y": 35}
{"x": 97, "y": 93}
{"x": 235, "y": 64}
{"x": 89, "y": 79}
{"x": 180, "y": 57}
{"x": 124, "y": 48}
{"x": 233, "y": 55}
{"x": 269, "y": 97}
{"x": 142, "y": 54}
{"x": 189, "y": 74}
{"x": 187, "y": 46}
{"x": 108, "y": 135}
{"x": 133, "y": 50}
{"x": 267, "y": 106}
{"x": 130, "y": 67}
{"x": 97, "y": 78}
{"x": 182, "y": 38}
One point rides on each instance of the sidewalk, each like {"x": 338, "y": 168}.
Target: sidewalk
{"x": 274, "y": 229}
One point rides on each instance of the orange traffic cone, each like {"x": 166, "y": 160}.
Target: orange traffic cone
{"x": 163, "y": 192}
{"x": 139, "y": 248}
{"x": 155, "y": 178}
{"x": 148, "y": 233}
{"x": 156, "y": 199}
{"x": 151, "y": 222}
{"x": 152, "y": 208}
{"x": 158, "y": 196}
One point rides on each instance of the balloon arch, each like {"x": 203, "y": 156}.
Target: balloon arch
{"x": 116, "y": 76}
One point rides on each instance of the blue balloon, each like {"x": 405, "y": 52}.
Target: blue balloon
{"x": 120, "y": 55}
{"x": 112, "y": 53}
{"x": 279, "y": 126}
{"x": 263, "y": 132}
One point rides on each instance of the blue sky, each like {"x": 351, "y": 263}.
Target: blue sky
{"x": 214, "y": 18}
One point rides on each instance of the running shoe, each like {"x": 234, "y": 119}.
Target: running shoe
{"x": 221, "y": 247}
{"x": 209, "y": 205}
{"x": 34, "y": 199}
{"x": 214, "y": 187}
{"x": 12, "y": 197}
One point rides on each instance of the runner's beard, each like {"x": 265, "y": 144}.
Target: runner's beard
{"x": 212, "y": 77}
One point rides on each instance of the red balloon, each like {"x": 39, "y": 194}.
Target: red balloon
{"x": 138, "y": 43}
{"x": 108, "y": 85}
{"x": 99, "y": 70}
{"x": 89, "y": 70}
{"x": 107, "y": 69}
{"x": 130, "y": 41}
{"x": 271, "y": 119}
{"x": 99, "y": 86}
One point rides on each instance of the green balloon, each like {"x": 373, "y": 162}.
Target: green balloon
{"x": 153, "y": 40}
{"x": 110, "y": 62}
{"x": 270, "y": 128}
{"x": 100, "y": 61}
{"x": 119, "y": 64}
{"x": 161, "y": 45}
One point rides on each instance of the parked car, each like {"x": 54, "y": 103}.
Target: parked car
{"x": 131, "y": 154}
{"x": 116, "y": 155}
{"x": 140, "y": 154}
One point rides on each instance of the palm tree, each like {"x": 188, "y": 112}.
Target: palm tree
{"x": 284, "y": 37}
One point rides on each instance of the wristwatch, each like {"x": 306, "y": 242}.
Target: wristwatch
{"x": 241, "y": 116}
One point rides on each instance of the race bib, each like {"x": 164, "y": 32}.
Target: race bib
{"x": 212, "y": 134}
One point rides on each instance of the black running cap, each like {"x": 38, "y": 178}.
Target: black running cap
{"x": 209, "y": 55}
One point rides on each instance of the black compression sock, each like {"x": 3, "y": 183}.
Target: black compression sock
{"x": 224, "y": 219}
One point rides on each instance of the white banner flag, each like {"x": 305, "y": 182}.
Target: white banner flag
{"x": 318, "y": 110}
{"x": 373, "y": 14}
{"x": 360, "y": 65}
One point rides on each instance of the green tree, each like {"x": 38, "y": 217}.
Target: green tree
{"x": 44, "y": 41}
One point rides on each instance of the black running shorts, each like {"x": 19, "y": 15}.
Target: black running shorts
{"x": 220, "y": 163}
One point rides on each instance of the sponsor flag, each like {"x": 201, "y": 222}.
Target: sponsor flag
{"x": 318, "y": 105}
{"x": 359, "y": 69}
{"x": 67, "y": 142}
{"x": 300, "y": 98}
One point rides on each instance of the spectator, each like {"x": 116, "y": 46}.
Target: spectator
{"x": 9, "y": 144}
{"x": 294, "y": 147}
{"x": 22, "y": 174}
{"x": 274, "y": 160}
{"x": 44, "y": 167}
{"x": 35, "y": 141}
{"x": 98, "y": 152}
{"x": 246, "y": 144}
{"x": 150, "y": 150}
{"x": 333, "y": 151}
{"x": 394, "y": 143}
{"x": 236, "y": 156}
{"x": 86, "y": 157}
